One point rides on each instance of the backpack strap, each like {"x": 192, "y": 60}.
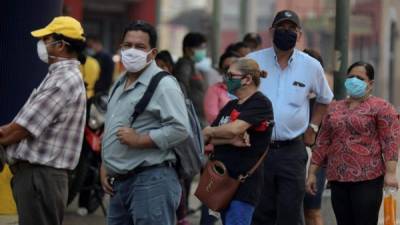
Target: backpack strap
{"x": 148, "y": 94}
{"x": 112, "y": 93}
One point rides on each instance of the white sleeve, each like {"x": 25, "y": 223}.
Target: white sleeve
{"x": 321, "y": 87}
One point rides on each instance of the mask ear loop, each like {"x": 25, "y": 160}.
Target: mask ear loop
{"x": 370, "y": 89}
{"x": 244, "y": 77}
{"x": 55, "y": 42}
{"x": 147, "y": 55}
{"x": 66, "y": 43}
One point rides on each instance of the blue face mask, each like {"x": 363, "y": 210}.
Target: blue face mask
{"x": 355, "y": 87}
{"x": 199, "y": 55}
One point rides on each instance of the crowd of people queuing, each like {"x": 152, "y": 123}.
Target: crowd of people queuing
{"x": 354, "y": 141}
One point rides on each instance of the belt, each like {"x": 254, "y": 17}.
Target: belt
{"x": 280, "y": 144}
{"x": 140, "y": 169}
{"x": 23, "y": 164}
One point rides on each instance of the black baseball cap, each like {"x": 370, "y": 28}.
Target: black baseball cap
{"x": 286, "y": 15}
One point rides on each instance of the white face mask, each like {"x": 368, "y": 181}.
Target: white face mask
{"x": 134, "y": 60}
{"x": 42, "y": 51}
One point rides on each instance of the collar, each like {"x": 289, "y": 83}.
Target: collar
{"x": 148, "y": 73}
{"x": 144, "y": 78}
{"x": 291, "y": 58}
{"x": 64, "y": 63}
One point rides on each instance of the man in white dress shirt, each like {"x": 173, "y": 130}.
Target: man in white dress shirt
{"x": 292, "y": 75}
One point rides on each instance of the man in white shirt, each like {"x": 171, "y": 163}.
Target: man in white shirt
{"x": 292, "y": 75}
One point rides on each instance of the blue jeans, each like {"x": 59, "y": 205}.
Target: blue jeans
{"x": 148, "y": 198}
{"x": 238, "y": 213}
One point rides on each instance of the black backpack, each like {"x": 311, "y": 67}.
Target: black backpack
{"x": 189, "y": 153}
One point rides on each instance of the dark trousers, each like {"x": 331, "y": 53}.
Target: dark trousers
{"x": 183, "y": 207}
{"x": 40, "y": 193}
{"x": 357, "y": 203}
{"x": 284, "y": 186}
{"x": 206, "y": 218}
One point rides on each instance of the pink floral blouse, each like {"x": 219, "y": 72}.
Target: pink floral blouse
{"x": 355, "y": 143}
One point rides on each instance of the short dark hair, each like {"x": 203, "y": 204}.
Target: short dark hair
{"x": 240, "y": 45}
{"x": 193, "y": 39}
{"x": 74, "y": 46}
{"x": 367, "y": 66}
{"x": 225, "y": 56}
{"x": 140, "y": 25}
{"x": 166, "y": 57}
{"x": 234, "y": 47}
{"x": 93, "y": 39}
{"x": 315, "y": 54}
{"x": 253, "y": 38}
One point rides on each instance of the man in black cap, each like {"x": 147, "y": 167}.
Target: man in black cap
{"x": 292, "y": 75}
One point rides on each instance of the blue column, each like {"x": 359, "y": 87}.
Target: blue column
{"x": 20, "y": 68}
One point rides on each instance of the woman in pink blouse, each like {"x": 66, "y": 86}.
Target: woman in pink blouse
{"x": 358, "y": 143}
{"x": 217, "y": 94}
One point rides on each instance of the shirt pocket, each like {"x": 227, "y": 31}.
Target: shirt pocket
{"x": 60, "y": 118}
{"x": 297, "y": 95}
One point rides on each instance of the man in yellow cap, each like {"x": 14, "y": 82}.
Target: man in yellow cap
{"x": 44, "y": 140}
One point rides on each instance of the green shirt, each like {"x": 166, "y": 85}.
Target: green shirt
{"x": 165, "y": 119}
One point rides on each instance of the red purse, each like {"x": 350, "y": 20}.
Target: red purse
{"x": 93, "y": 139}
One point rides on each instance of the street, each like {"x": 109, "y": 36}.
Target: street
{"x": 97, "y": 218}
{"x": 71, "y": 218}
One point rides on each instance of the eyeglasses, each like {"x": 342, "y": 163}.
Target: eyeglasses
{"x": 56, "y": 42}
{"x": 356, "y": 76}
{"x": 225, "y": 69}
{"x": 231, "y": 75}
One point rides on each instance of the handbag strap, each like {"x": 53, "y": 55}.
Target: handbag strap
{"x": 242, "y": 178}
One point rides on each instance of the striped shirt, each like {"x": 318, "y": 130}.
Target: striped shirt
{"x": 55, "y": 116}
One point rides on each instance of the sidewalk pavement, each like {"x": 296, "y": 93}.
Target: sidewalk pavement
{"x": 8, "y": 220}
{"x": 97, "y": 218}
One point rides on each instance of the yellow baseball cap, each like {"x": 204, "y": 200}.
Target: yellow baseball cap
{"x": 65, "y": 25}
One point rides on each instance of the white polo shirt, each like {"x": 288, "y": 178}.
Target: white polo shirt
{"x": 288, "y": 90}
